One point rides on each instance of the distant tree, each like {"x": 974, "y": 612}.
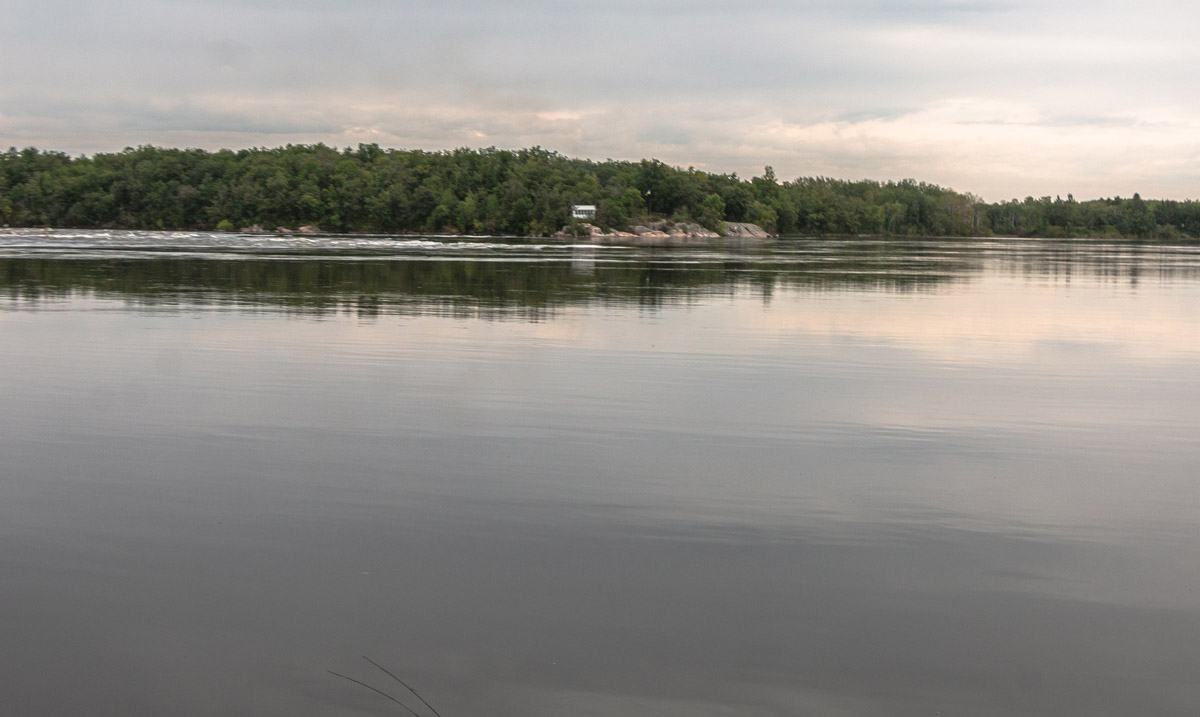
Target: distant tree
{"x": 491, "y": 190}
{"x": 712, "y": 212}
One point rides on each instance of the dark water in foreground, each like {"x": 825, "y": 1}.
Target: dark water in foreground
{"x": 797, "y": 478}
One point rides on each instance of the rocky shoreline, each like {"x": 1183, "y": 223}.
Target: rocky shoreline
{"x": 657, "y": 231}
{"x": 662, "y": 231}
{"x": 257, "y": 229}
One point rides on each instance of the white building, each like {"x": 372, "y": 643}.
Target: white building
{"x": 583, "y": 211}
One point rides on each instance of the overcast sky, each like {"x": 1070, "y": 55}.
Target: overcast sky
{"x": 1003, "y": 98}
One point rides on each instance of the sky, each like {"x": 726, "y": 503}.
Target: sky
{"x": 1001, "y": 98}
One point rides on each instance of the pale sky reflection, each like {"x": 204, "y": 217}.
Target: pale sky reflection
{"x": 977, "y": 375}
{"x": 999, "y": 320}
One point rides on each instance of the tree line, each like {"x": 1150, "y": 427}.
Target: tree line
{"x": 525, "y": 192}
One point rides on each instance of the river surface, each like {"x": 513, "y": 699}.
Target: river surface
{"x": 797, "y": 477}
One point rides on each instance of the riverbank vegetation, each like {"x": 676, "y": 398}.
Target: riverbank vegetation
{"x": 523, "y": 192}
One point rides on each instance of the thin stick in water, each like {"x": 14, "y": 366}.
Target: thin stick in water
{"x": 375, "y": 689}
{"x": 406, "y": 685}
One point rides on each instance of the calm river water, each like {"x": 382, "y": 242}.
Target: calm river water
{"x": 801, "y": 477}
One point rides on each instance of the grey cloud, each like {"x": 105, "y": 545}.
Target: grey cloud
{"x": 876, "y": 113}
{"x": 189, "y": 117}
{"x": 666, "y": 135}
{"x": 1070, "y": 121}
{"x": 685, "y": 76}
{"x": 885, "y": 11}
{"x": 229, "y": 53}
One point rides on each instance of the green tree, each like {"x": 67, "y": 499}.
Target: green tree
{"x": 712, "y": 212}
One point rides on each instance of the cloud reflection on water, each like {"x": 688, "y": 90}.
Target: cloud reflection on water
{"x": 962, "y": 482}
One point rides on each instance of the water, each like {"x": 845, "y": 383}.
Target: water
{"x": 799, "y": 477}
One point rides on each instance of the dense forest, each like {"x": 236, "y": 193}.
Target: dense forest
{"x": 524, "y": 192}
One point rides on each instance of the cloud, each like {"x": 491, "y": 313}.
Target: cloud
{"x": 1002, "y": 98}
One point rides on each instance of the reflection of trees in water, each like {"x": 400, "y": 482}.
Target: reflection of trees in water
{"x": 531, "y": 289}
{"x": 487, "y": 287}
{"x": 1110, "y": 262}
